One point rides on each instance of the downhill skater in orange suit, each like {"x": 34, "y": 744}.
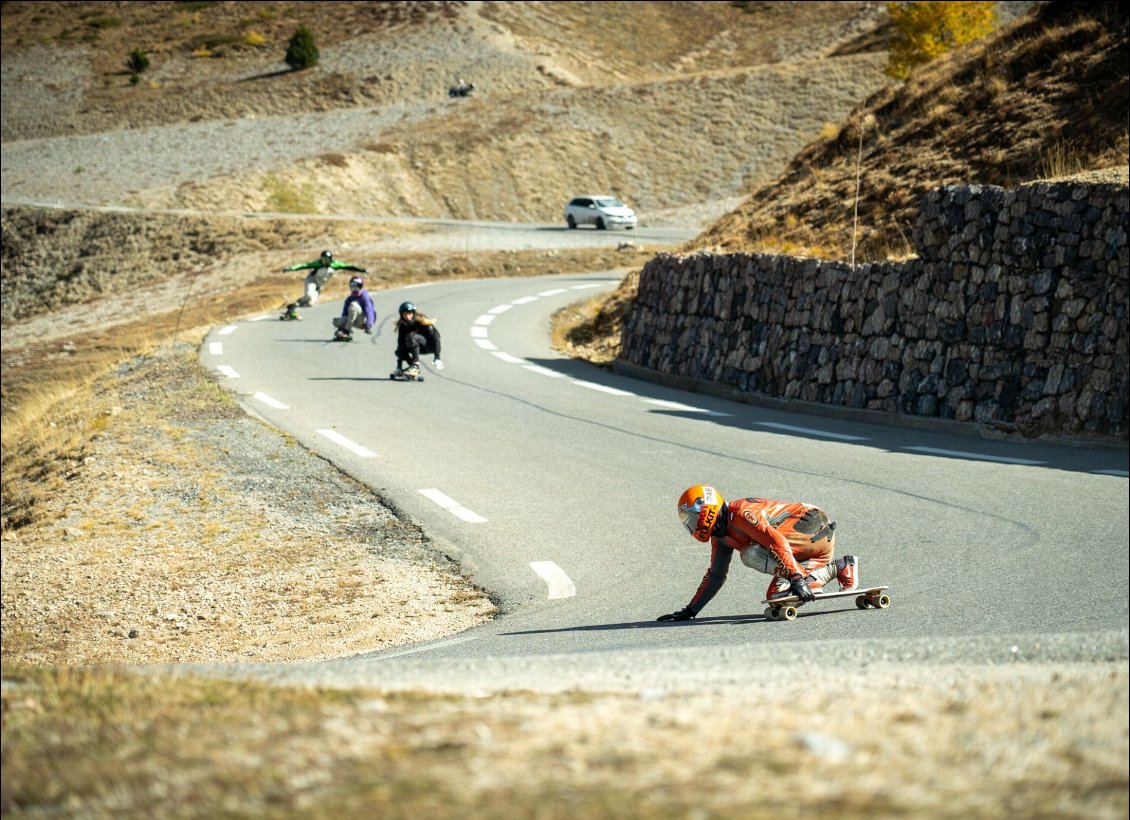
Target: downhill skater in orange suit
{"x": 792, "y": 541}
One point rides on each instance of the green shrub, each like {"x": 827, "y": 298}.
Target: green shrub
{"x": 301, "y": 52}
{"x": 137, "y": 61}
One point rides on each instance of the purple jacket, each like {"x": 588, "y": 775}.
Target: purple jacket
{"x": 366, "y": 307}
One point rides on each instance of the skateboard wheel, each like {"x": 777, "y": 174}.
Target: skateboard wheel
{"x": 788, "y": 613}
{"x": 861, "y": 602}
{"x": 881, "y": 601}
{"x": 770, "y": 613}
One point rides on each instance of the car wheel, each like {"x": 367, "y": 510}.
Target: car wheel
{"x": 600, "y": 226}
{"x": 572, "y": 223}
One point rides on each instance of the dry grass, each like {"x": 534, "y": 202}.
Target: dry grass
{"x": 205, "y": 748}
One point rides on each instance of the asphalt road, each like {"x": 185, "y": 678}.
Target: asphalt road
{"x": 555, "y": 483}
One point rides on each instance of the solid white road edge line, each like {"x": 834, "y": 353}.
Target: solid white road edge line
{"x": 452, "y": 506}
{"x": 338, "y": 438}
{"x": 437, "y": 645}
{"x": 560, "y": 585}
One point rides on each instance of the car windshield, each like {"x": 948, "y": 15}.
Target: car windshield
{"x": 609, "y": 202}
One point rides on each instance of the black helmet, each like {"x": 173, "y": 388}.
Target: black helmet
{"x": 406, "y": 307}
{"x": 327, "y": 255}
{"x": 356, "y": 283}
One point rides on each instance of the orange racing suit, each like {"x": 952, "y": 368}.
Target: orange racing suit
{"x": 775, "y": 537}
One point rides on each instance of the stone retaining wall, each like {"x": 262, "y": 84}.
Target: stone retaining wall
{"x": 1014, "y": 315}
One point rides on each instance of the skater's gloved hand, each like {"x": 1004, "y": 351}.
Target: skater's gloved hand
{"x": 800, "y": 587}
{"x": 684, "y": 614}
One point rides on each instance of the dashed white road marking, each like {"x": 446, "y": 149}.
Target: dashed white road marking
{"x": 1118, "y": 473}
{"x": 560, "y": 585}
{"x": 686, "y": 408}
{"x": 586, "y": 287}
{"x": 270, "y": 402}
{"x": 497, "y": 309}
{"x": 453, "y": 506}
{"x": 216, "y": 348}
{"x": 479, "y": 332}
{"x": 553, "y": 292}
{"x": 525, "y": 300}
{"x": 228, "y": 371}
{"x": 809, "y": 431}
{"x": 506, "y": 357}
{"x": 259, "y": 318}
{"x": 338, "y": 438}
{"x": 485, "y": 319}
{"x": 229, "y": 330}
{"x": 610, "y": 390}
{"x": 486, "y": 344}
{"x": 934, "y": 451}
{"x": 545, "y": 371}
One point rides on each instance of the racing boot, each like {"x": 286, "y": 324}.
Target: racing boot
{"x": 847, "y": 572}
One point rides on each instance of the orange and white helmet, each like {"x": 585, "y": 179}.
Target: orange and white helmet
{"x": 699, "y": 508}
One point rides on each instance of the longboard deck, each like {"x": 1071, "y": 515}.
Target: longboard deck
{"x": 785, "y": 609}
{"x": 792, "y": 599}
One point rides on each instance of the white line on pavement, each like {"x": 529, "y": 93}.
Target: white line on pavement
{"x": 452, "y": 506}
{"x": 485, "y": 319}
{"x": 560, "y": 585}
{"x": 478, "y": 332}
{"x": 338, "y": 438}
{"x": 933, "y": 451}
{"x": 545, "y": 371}
{"x": 216, "y": 348}
{"x": 686, "y": 408}
{"x": 486, "y": 344}
{"x": 611, "y": 390}
{"x": 497, "y": 309}
{"x": 229, "y": 330}
{"x": 506, "y": 357}
{"x": 267, "y": 400}
{"x": 228, "y": 371}
{"x": 525, "y": 300}
{"x": 1119, "y": 473}
{"x": 436, "y": 645}
{"x": 809, "y": 431}
{"x": 553, "y": 292}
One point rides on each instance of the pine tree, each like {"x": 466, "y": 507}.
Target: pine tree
{"x": 301, "y": 52}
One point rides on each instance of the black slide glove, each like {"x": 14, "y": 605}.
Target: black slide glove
{"x": 800, "y": 587}
{"x": 684, "y": 614}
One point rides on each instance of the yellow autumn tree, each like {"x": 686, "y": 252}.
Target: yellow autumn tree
{"x": 924, "y": 30}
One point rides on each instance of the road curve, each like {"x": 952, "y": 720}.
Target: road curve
{"x": 554, "y": 483}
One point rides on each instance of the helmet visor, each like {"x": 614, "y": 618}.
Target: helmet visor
{"x": 689, "y": 515}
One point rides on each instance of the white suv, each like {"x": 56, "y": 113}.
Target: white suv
{"x": 601, "y": 211}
